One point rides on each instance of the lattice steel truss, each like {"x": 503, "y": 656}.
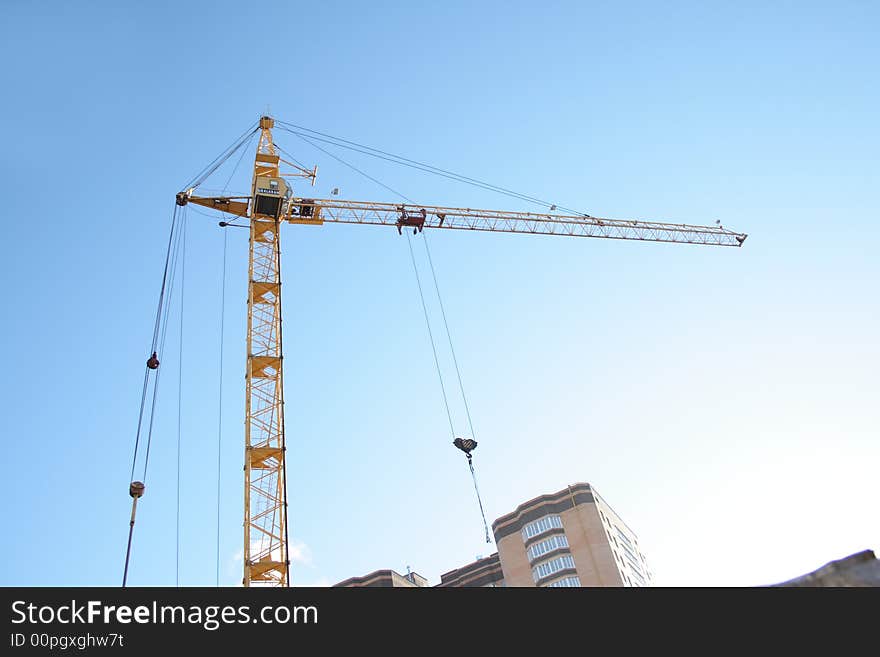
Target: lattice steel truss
{"x": 265, "y": 495}
{"x": 320, "y": 211}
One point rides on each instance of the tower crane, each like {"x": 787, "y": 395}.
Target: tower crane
{"x": 272, "y": 202}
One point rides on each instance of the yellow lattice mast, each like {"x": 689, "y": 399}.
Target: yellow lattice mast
{"x": 265, "y": 496}
{"x": 265, "y": 476}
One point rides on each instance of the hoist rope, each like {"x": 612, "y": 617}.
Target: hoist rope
{"x": 140, "y": 422}
{"x": 159, "y": 308}
{"x": 176, "y": 244}
{"x": 460, "y": 384}
{"x": 449, "y": 336}
{"x": 479, "y": 499}
{"x": 431, "y": 336}
{"x": 150, "y": 425}
{"x": 413, "y": 259}
{"x": 220, "y": 396}
{"x": 427, "y": 322}
{"x": 180, "y": 395}
{"x": 157, "y": 344}
{"x": 161, "y": 345}
{"x": 415, "y": 271}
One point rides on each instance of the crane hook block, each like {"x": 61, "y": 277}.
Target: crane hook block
{"x": 466, "y": 445}
{"x": 153, "y": 362}
{"x": 136, "y": 489}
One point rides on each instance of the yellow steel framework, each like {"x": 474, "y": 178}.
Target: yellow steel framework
{"x": 265, "y": 496}
{"x": 266, "y": 560}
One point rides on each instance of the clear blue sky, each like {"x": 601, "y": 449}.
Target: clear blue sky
{"x": 724, "y": 401}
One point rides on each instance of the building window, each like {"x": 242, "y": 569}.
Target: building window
{"x": 547, "y": 545}
{"x": 570, "y": 581}
{"x": 623, "y": 537}
{"x": 629, "y": 552}
{"x": 637, "y": 576}
{"x": 634, "y": 566}
{"x": 547, "y": 568}
{"x": 540, "y": 526}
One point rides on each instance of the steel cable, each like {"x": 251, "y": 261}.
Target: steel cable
{"x": 421, "y": 166}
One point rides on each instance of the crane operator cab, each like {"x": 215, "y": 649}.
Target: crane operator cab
{"x": 270, "y": 195}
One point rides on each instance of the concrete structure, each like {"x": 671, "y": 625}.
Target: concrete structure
{"x": 568, "y": 538}
{"x": 571, "y": 538}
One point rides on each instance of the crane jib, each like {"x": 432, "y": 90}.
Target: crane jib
{"x": 320, "y": 211}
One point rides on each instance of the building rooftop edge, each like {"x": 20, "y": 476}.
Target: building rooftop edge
{"x": 579, "y": 486}
{"x": 382, "y": 572}
{"x": 473, "y": 565}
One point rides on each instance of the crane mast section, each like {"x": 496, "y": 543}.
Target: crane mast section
{"x": 265, "y": 498}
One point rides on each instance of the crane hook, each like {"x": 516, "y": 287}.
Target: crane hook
{"x": 153, "y": 362}
{"x": 466, "y": 445}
